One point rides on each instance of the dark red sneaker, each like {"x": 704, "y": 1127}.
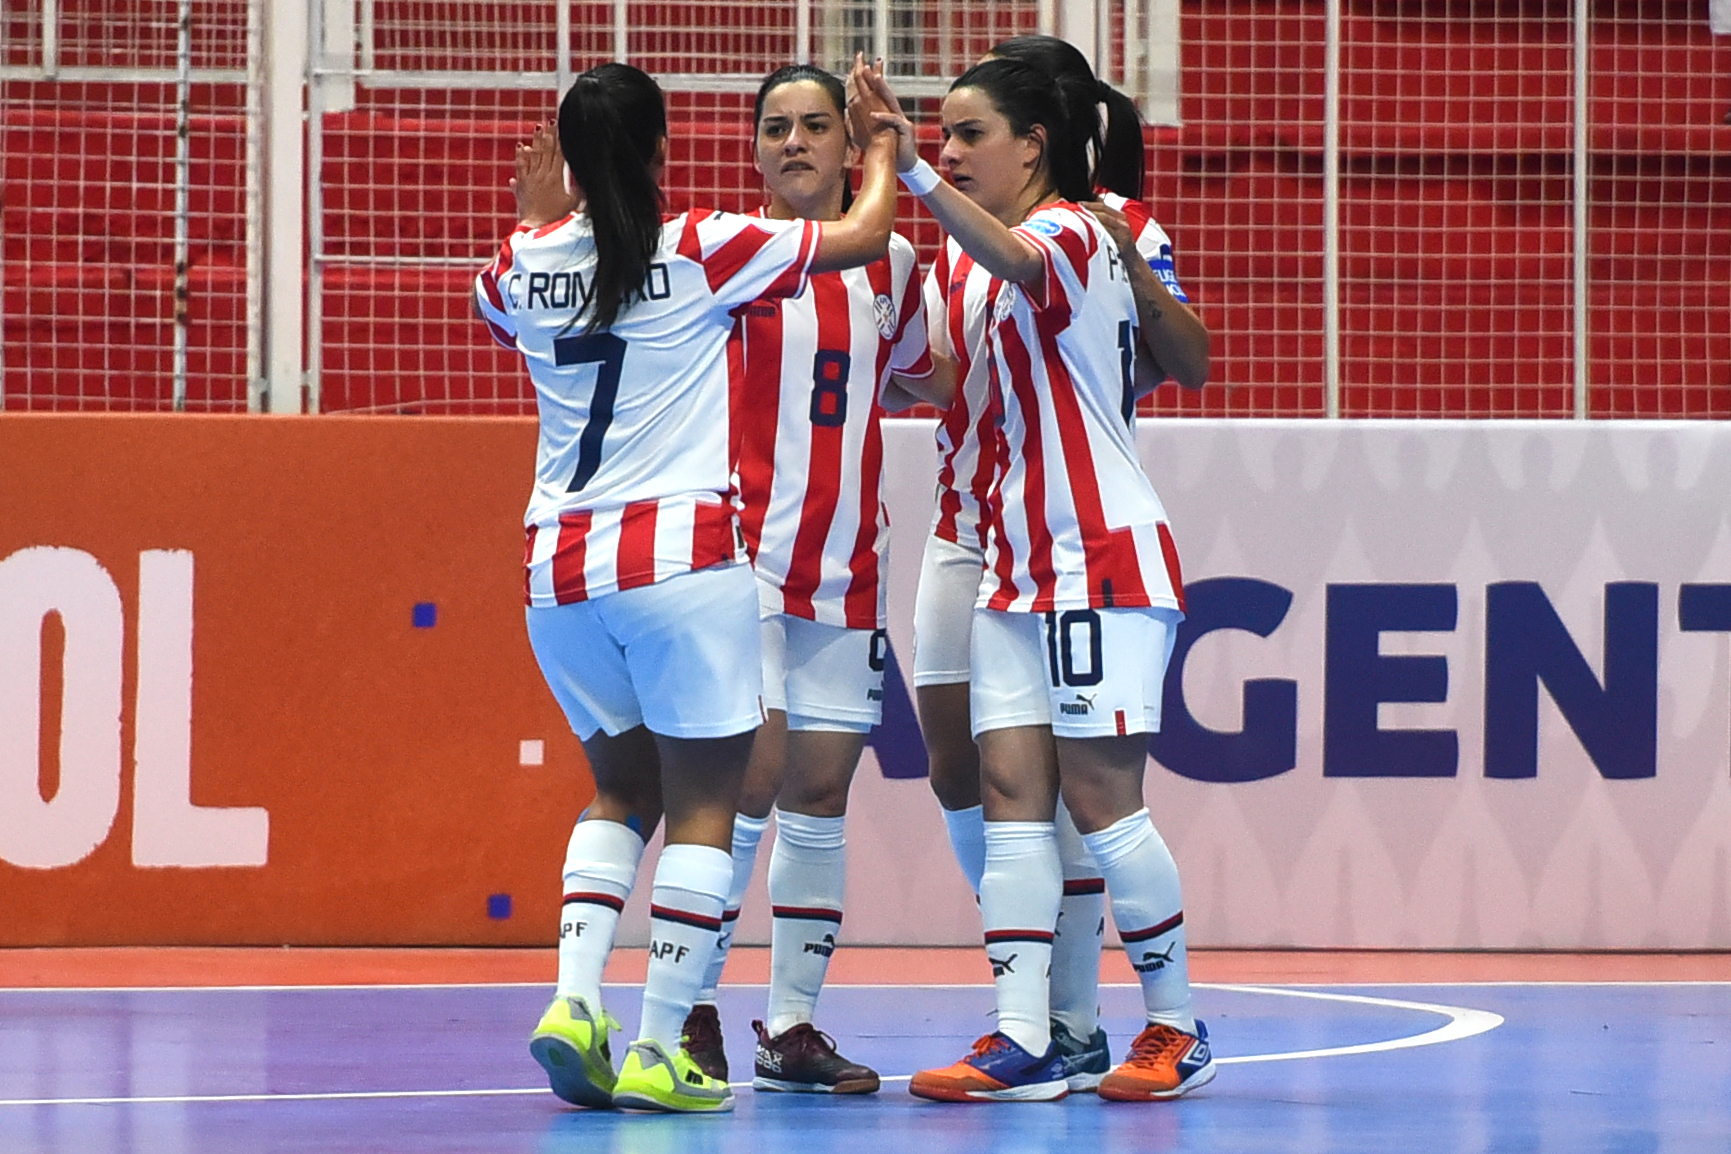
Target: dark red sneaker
{"x": 703, "y": 1041}
{"x": 804, "y": 1061}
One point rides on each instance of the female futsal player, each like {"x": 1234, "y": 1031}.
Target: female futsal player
{"x": 641, "y": 617}
{"x": 808, "y": 372}
{"x": 1074, "y": 620}
{"x": 1172, "y": 342}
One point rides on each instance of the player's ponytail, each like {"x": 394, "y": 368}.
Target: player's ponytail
{"x": 611, "y": 125}
{"x": 1119, "y": 162}
{"x": 1026, "y": 96}
{"x": 832, "y": 87}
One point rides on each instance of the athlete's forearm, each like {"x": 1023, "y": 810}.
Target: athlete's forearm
{"x": 984, "y": 237}
{"x": 863, "y": 235}
{"x": 1174, "y": 337}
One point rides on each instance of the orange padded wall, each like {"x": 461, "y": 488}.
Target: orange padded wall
{"x": 384, "y": 739}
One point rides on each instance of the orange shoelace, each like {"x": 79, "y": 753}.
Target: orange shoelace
{"x": 987, "y": 1044}
{"x": 1154, "y": 1044}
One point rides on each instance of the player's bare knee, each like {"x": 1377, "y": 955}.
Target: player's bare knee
{"x": 636, "y": 812}
{"x": 820, "y": 770}
{"x": 824, "y": 796}
{"x": 1101, "y": 779}
{"x": 955, "y": 777}
{"x": 757, "y": 796}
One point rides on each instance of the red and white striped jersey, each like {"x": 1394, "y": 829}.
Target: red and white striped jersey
{"x": 958, "y": 295}
{"x": 1074, "y": 521}
{"x": 632, "y": 471}
{"x": 807, "y": 376}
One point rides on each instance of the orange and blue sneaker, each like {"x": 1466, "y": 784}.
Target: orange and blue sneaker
{"x": 998, "y": 1070}
{"x": 1164, "y": 1062}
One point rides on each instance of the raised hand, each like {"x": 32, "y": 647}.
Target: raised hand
{"x": 886, "y": 111}
{"x": 860, "y": 106}
{"x": 539, "y": 185}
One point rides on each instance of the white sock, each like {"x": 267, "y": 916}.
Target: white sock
{"x": 1148, "y": 907}
{"x": 1019, "y": 894}
{"x": 807, "y": 880}
{"x": 691, "y": 884}
{"x": 600, "y": 869}
{"x": 747, "y": 832}
{"x": 1081, "y": 933}
{"x": 968, "y": 838}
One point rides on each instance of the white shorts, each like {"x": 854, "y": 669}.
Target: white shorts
{"x": 824, "y": 677}
{"x": 680, "y": 656}
{"x": 1084, "y": 672}
{"x": 944, "y": 611}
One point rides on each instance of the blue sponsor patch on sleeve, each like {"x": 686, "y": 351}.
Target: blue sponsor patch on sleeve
{"x": 1161, "y": 263}
{"x": 1043, "y": 226}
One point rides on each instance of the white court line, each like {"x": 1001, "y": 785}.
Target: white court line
{"x": 323, "y": 1096}
{"x": 828, "y": 985}
{"x": 1462, "y": 1023}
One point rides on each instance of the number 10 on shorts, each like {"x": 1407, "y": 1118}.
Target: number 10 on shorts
{"x": 1068, "y": 635}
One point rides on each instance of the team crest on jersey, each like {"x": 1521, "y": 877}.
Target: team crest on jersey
{"x": 884, "y": 312}
{"x": 1006, "y": 303}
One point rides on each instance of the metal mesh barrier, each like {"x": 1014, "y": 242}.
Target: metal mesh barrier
{"x": 125, "y": 241}
{"x": 1380, "y": 207}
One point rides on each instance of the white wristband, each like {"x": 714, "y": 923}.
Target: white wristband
{"x": 920, "y": 179}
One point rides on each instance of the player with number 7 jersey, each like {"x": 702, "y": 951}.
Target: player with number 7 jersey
{"x": 641, "y": 616}
{"x": 631, "y": 471}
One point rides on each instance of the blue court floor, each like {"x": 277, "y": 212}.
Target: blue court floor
{"x": 1582, "y": 1069}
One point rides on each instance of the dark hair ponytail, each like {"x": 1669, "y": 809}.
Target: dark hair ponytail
{"x": 610, "y": 125}
{"x": 1120, "y": 164}
{"x": 1026, "y": 96}
{"x": 832, "y": 87}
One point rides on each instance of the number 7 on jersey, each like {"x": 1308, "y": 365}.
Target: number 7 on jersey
{"x": 607, "y": 351}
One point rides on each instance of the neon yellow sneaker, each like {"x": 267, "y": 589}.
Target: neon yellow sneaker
{"x": 570, "y": 1042}
{"x": 651, "y": 1079}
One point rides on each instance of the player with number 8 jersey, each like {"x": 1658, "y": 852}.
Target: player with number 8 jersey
{"x": 811, "y": 377}
{"x": 809, "y": 479}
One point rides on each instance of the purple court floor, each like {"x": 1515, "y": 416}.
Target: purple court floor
{"x": 1586, "y": 1069}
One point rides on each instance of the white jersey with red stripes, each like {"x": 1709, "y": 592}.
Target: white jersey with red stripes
{"x": 807, "y": 376}
{"x": 958, "y": 293}
{"x": 632, "y": 470}
{"x": 1074, "y": 521}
